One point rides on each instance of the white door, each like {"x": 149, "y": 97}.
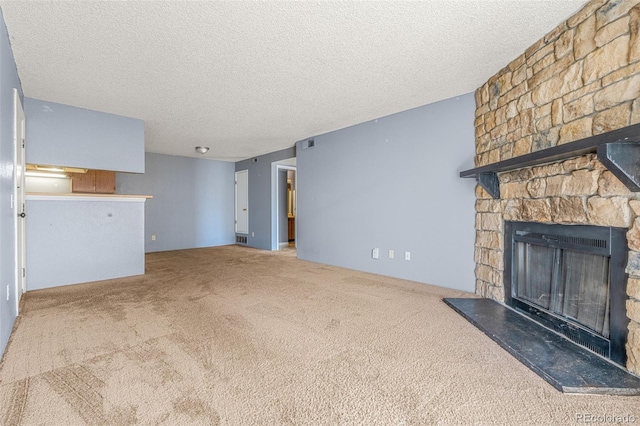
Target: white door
{"x": 18, "y": 134}
{"x": 242, "y": 202}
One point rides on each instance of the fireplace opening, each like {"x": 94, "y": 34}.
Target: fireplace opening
{"x": 571, "y": 279}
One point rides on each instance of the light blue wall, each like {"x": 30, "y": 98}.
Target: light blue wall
{"x": 77, "y": 241}
{"x": 64, "y": 135}
{"x": 8, "y": 81}
{"x": 192, "y": 204}
{"x": 262, "y": 194}
{"x": 393, "y": 183}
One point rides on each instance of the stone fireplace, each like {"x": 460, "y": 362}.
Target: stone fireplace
{"x": 582, "y": 79}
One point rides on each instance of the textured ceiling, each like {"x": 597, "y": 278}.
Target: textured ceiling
{"x": 247, "y": 78}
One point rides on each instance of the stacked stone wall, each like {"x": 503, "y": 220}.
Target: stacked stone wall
{"x": 580, "y": 80}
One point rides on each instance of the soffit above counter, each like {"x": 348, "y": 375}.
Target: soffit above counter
{"x": 82, "y": 138}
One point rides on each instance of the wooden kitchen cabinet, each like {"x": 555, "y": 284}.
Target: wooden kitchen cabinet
{"x": 105, "y": 182}
{"x": 83, "y": 182}
{"x": 94, "y": 181}
{"x": 292, "y": 228}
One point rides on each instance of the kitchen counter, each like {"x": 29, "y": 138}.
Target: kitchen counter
{"x": 79, "y": 238}
{"x": 84, "y": 196}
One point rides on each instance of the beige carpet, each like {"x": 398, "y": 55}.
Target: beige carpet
{"x": 237, "y": 336}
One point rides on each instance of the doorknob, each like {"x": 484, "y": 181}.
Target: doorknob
{"x": 23, "y": 214}
{"x": 244, "y": 210}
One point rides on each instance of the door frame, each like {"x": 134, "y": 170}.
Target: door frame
{"x": 19, "y": 202}
{"x": 279, "y": 168}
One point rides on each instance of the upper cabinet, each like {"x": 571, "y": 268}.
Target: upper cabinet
{"x": 94, "y": 181}
{"x": 76, "y": 137}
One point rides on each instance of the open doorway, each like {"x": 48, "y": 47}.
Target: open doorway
{"x": 286, "y": 207}
{"x": 291, "y": 207}
{"x": 284, "y": 212}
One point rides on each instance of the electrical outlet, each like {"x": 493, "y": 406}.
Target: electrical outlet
{"x": 153, "y": 237}
{"x": 375, "y": 253}
{"x": 391, "y": 254}
{"x": 407, "y": 255}
{"x": 253, "y": 234}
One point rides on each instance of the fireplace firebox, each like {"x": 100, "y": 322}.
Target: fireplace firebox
{"x": 571, "y": 279}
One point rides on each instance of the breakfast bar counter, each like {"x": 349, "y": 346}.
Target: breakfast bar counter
{"x": 77, "y": 238}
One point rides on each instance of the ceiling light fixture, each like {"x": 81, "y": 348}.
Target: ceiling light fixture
{"x": 202, "y": 149}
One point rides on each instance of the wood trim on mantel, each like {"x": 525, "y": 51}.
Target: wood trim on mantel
{"x": 618, "y": 150}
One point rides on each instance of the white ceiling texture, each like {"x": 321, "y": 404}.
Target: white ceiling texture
{"x": 251, "y": 77}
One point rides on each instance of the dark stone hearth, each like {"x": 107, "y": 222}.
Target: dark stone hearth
{"x": 565, "y": 365}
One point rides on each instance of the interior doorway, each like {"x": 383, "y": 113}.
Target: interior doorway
{"x": 19, "y": 199}
{"x": 291, "y": 207}
{"x": 286, "y": 207}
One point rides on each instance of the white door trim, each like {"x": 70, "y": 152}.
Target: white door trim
{"x": 279, "y": 168}
{"x": 19, "y": 199}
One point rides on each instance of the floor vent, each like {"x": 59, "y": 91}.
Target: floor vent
{"x": 241, "y": 239}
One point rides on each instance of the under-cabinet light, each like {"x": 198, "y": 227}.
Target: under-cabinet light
{"x": 50, "y": 169}
{"x": 46, "y": 175}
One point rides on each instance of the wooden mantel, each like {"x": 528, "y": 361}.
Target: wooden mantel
{"x": 618, "y": 150}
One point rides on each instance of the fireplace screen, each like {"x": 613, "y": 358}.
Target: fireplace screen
{"x": 568, "y": 283}
{"x": 570, "y": 278}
